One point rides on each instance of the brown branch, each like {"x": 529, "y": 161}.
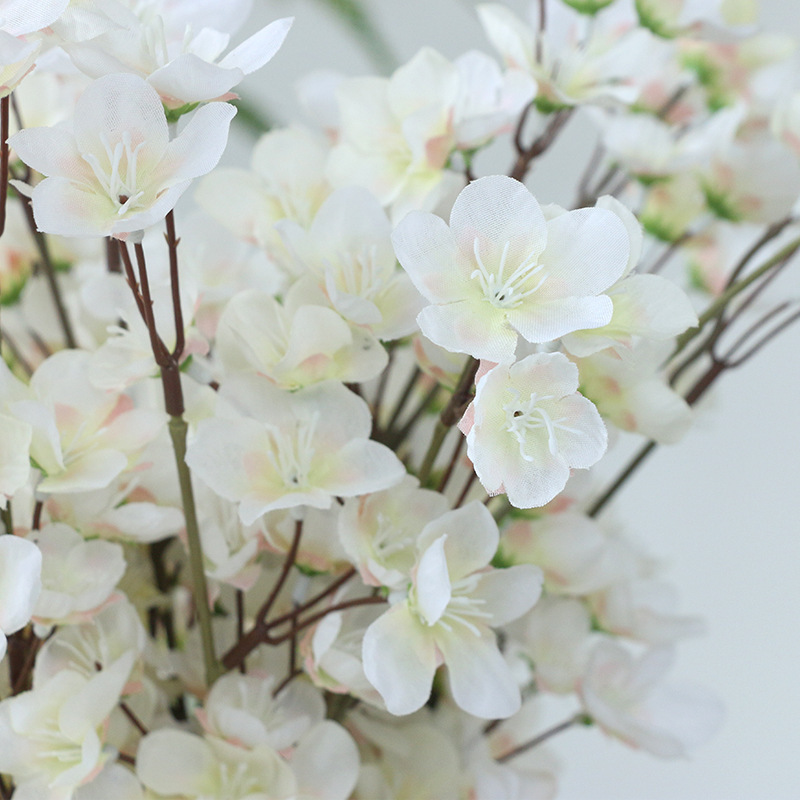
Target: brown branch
{"x": 172, "y": 244}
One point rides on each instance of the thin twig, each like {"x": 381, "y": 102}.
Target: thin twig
{"x": 579, "y": 718}
{"x": 177, "y": 311}
{"x": 4, "y": 106}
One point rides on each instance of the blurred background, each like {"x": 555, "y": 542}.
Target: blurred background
{"x": 722, "y": 508}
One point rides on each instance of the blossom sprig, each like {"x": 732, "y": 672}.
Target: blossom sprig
{"x": 383, "y": 555}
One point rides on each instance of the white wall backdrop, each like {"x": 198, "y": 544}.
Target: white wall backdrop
{"x": 723, "y": 507}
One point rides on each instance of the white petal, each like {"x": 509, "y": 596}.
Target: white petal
{"x": 256, "y": 51}
{"x": 20, "y": 581}
{"x": 508, "y": 593}
{"x": 198, "y": 147}
{"x": 587, "y": 252}
{"x": 480, "y": 680}
{"x": 399, "y": 660}
{"x": 326, "y": 762}
{"x": 190, "y": 79}
{"x": 51, "y": 151}
{"x": 472, "y": 538}
{"x": 432, "y": 582}
{"x": 121, "y": 104}
{"x": 173, "y": 762}
{"x": 64, "y": 208}
{"x": 470, "y": 327}
{"x": 498, "y": 212}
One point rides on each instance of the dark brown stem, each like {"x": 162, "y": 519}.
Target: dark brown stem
{"x": 288, "y": 563}
{"x": 240, "y": 624}
{"x": 634, "y": 464}
{"x": 134, "y": 720}
{"x": 160, "y": 352}
{"x": 526, "y": 156}
{"x": 36, "y": 523}
{"x": 286, "y": 681}
{"x": 327, "y": 592}
{"x": 172, "y": 244}
{"x": 400, "y": 436}
{"x": 16, "y": 352}
{"x": 113, "y": 261}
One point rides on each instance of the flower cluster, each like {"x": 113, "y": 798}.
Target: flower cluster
{"x": 298, "y": 487}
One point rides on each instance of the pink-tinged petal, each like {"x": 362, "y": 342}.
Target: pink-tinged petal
{"x": 653, "y": 307}
{"x": 469, "y": 327}
{"x": 507, "y": 594}
{"x": 256, "y": 51}
{"x": 471, "y": 542}
{"x": 172, "y": 762}
{"x": 481, "y": 682}
{"x": 190, "y": 79}
{"x": 198, "y": 147}
{"x": 361, "y": 467}
{"x": 587, "y": 252}
{"x": 432, "y": 582}
{"x": 427, "y": 251}
{"x": 121, "y": 105}
{"x": 64, "y": 208}
{"x": 500, "y": 219}
{"x": 399, "y": 659}
{"x": 52, "y": 152}
{"x": 94, "y": 470}
{"x": 20, "y": 581}
{"x": 326, "y": 762}
{"x": 584, "y": 444}
{"x": 511, "y": 37}
{"x": 221, "y": 455}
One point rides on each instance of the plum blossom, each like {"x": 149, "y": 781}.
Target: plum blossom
{"x": 501, "y": 270}
{"x": 285, "y": 454}
{"x": 446, "y": 616}
{"x": 528, "y": 426}
{"x": 20, "y": 584}
{"x": 116, "y": 171}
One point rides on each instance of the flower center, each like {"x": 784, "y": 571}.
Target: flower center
{"x": 117, "y": 176}
{"x": 531, "y": 417}
{"x": 291, "y": 453}
{"x": 510, "y": 291}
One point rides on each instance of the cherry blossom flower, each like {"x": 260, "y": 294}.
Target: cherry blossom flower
{"x": 78, "y": 577}
{"x": 627, "y": 698}
{"x": 182, "y": 68}
{"x": 177, "y": 764}
{"x": 286, "y": 456}
{"x": 117, "y": 171}
{"x": 52, "y": 737}
{"x": 528, "y": 426}
{"x": 501, "y": 270}
{"x": 447, "y": 616}
{"x": 82, "y": 437}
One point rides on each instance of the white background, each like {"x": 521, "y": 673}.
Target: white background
{"x": 722, "y": 507}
